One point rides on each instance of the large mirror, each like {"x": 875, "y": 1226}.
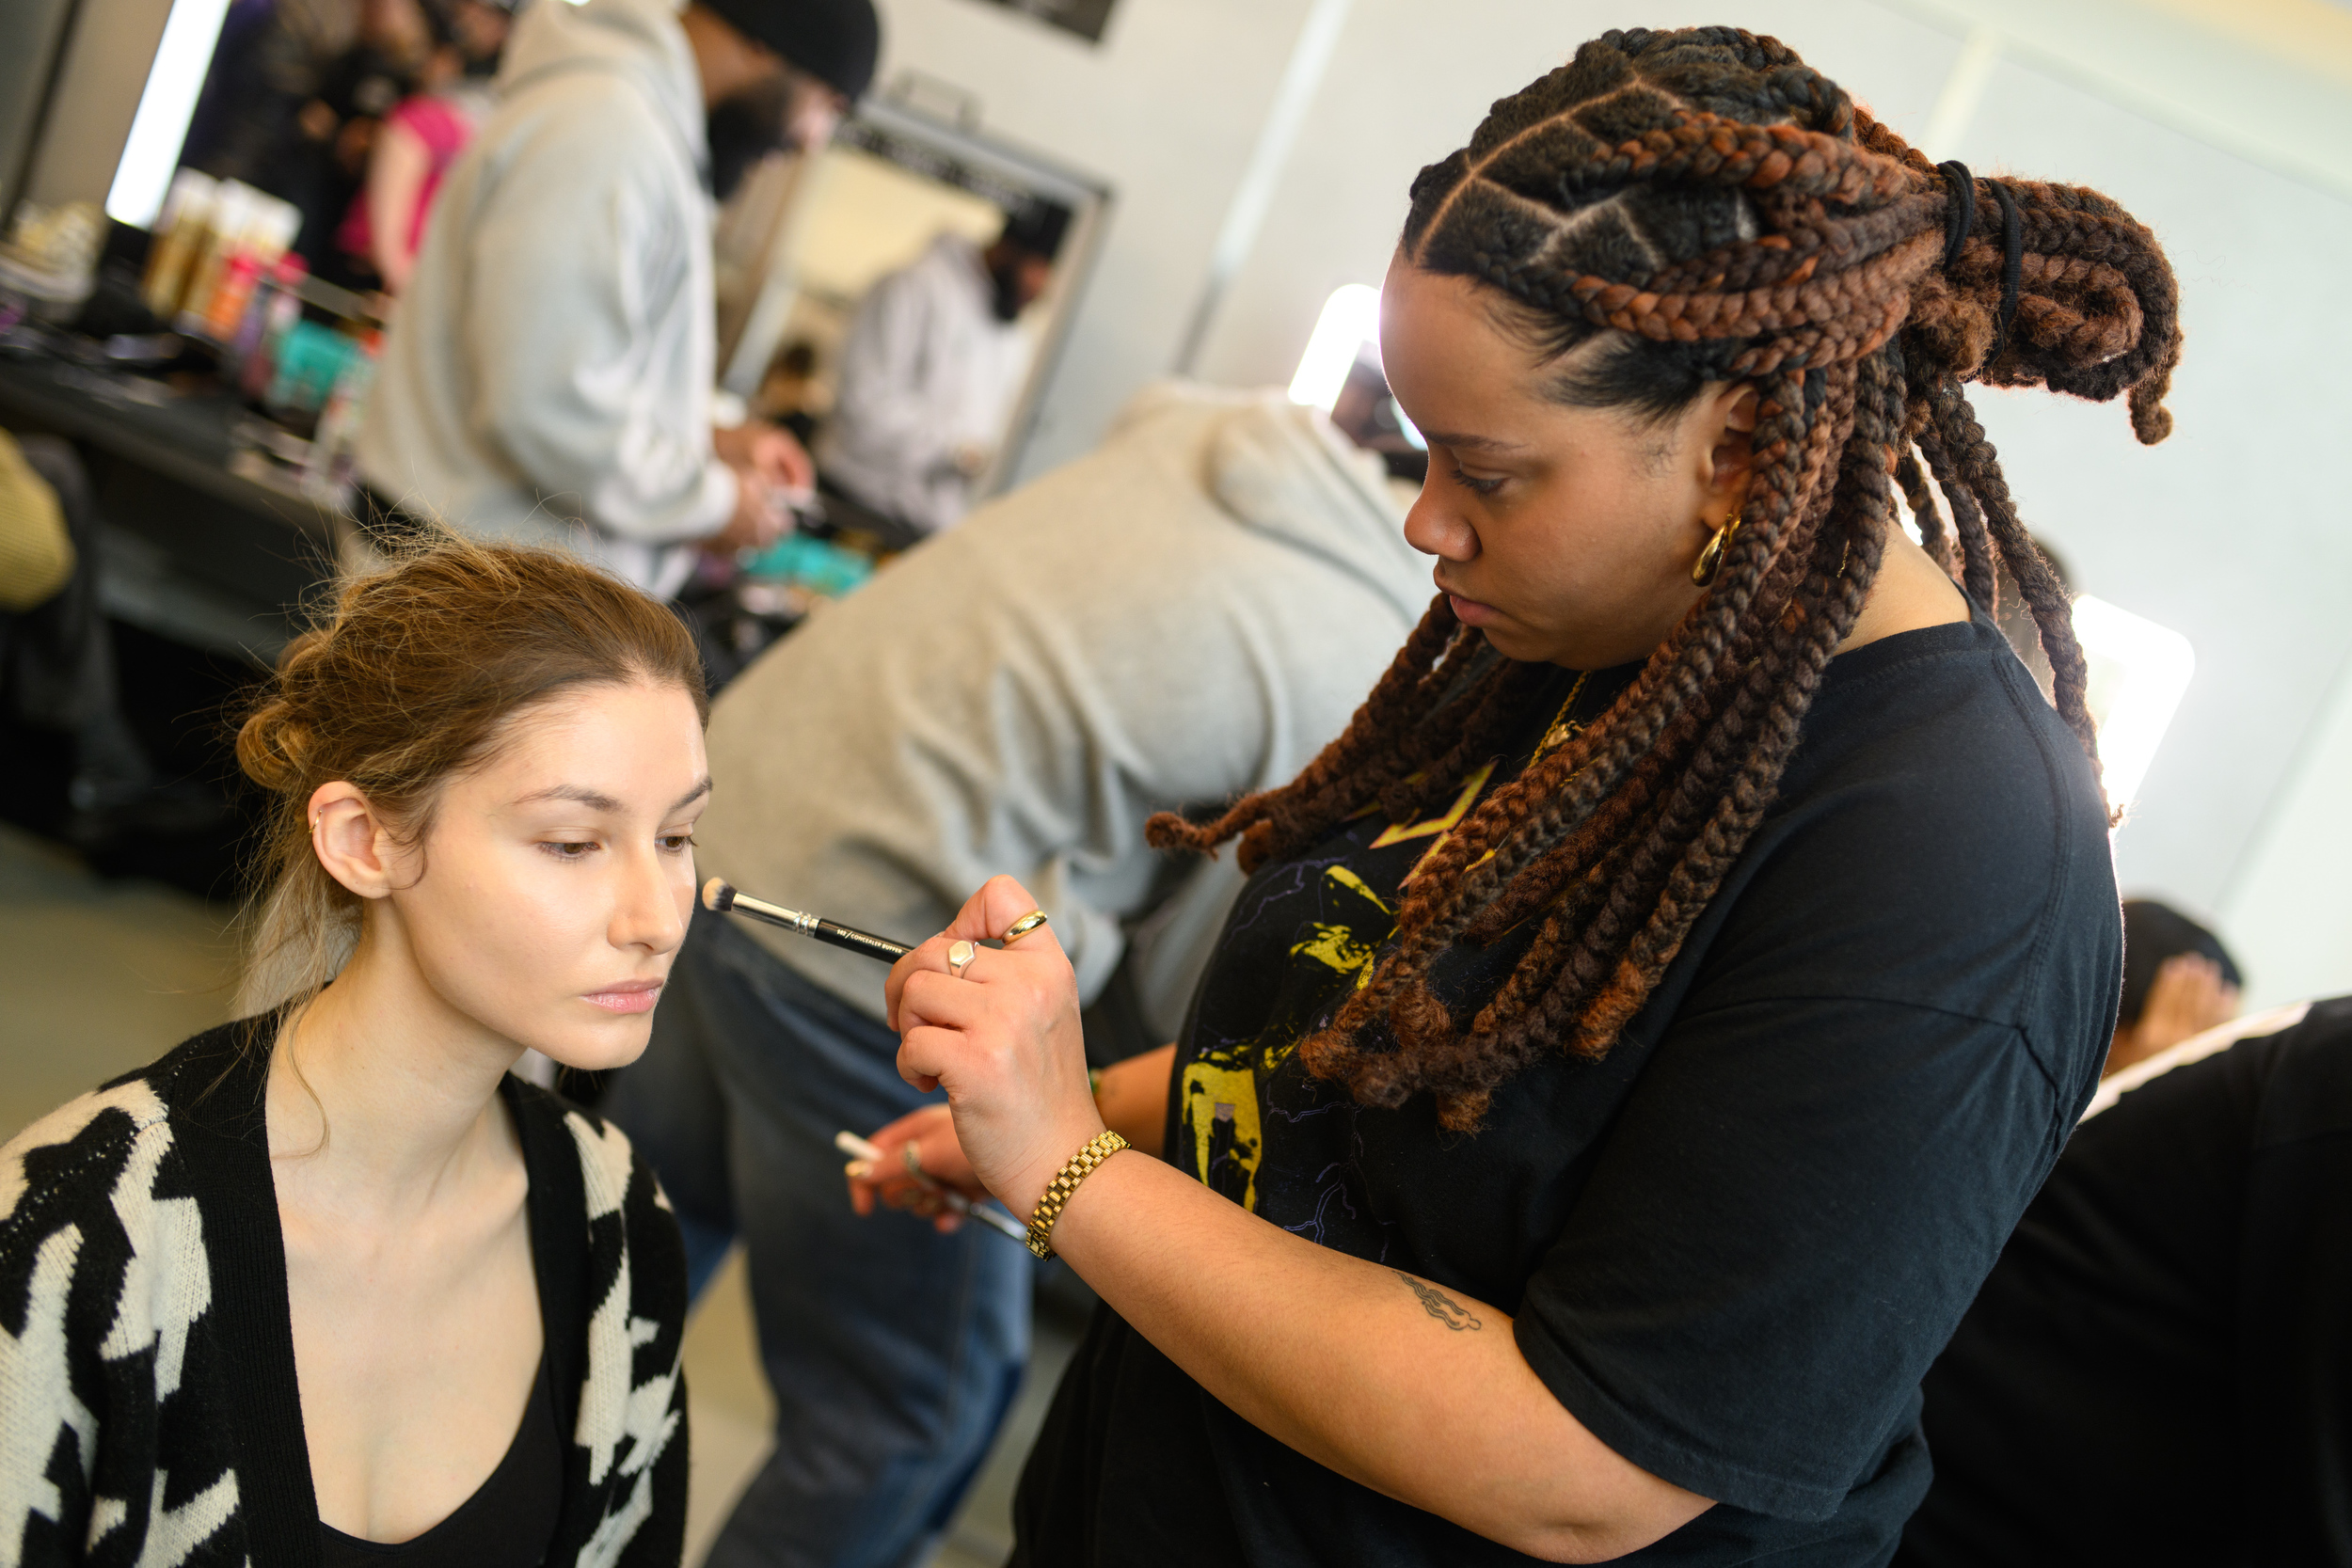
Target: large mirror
{"x": 846, "y": 283}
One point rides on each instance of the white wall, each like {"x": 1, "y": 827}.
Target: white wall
{"x": 2287, "y": 910}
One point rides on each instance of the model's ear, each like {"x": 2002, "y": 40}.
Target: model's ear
{"x": 1732, "y": 413}
{"x": 352, "y": 840}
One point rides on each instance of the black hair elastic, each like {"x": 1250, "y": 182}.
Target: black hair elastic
{"x": 1960, "y": 216}
{"x": 1960, "y": 213}
{"x": 2013, "y": 264}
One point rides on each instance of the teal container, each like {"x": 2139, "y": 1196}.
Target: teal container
{"x": 817, "y": 565}
{"x": 311, "y": 359}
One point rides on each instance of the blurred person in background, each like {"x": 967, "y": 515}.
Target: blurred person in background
{"x": 321, "y": 159}
{"x": 2158, "y": 1370}
{"x": 790, "y": 393}
{"x": 549, "y": 375}
{"x": 56, "y": 649}
{"x": 1190, "y": 611}
{"x": 929, "y": 373}
{"x": 270, "y": 58}
{"x": 2177, "y": 981}
{"x": 418, "y": 142}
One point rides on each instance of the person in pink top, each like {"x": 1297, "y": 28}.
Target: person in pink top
{"x": 419, "y": 139}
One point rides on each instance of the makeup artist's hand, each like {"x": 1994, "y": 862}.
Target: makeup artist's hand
{"x": 1003, "y": 1040}
{"x": 770, "y": 451}
{"x": 930, "y": 1130}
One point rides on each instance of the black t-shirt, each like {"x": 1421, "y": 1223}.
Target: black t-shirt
{"x": 2159, "y": 1370}
{"x": 507, "y": 1523}
{"x": 1733, "y": 1246}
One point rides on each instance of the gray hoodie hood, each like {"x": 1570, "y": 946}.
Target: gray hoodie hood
{"x": 1286, "y": 470}
{"x": 639, "y": 40}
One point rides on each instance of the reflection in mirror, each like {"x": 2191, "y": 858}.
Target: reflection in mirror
{"x": 896, "y": 300}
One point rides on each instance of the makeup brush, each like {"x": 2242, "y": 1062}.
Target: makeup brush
{"x": 720, "y": 897}
{"x": 858, "y": 1149}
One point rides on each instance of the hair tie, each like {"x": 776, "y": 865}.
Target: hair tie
{"x": 1960, "y": 216}
{"x": 1960, "y": 213}
{"x": 2013, "y": 264}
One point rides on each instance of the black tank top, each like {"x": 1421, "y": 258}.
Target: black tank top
{"x": 508, "y": 1521}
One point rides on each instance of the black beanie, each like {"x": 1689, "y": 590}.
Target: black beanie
{"x": 837, "y": 41}
{"x": 1037, "y": 227}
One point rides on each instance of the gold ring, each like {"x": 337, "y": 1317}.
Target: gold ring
{"x": 911, "y": 1158}
{"x": 1022, "y": 927}
{"x": 959, "y": 957}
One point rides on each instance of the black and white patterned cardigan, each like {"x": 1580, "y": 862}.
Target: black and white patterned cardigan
{"x": 148, "y": 1411}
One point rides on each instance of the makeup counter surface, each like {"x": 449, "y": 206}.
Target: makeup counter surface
{"x": 211, "y": 540}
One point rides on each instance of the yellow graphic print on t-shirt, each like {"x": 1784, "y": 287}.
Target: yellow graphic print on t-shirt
{"x": 1439, "y": 828}
{"x": 1215, "y": 1095}
{"x": 1219, "y": 1088}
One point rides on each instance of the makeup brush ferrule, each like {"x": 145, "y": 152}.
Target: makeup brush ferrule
{"x": 774, "y": 914}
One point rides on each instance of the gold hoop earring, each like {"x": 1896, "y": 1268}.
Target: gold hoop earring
{"x": 1711, "y": 559}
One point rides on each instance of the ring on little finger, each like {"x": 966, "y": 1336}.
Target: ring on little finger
{"x": 959, "y": 957}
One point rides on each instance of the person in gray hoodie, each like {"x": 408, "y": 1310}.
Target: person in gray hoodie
{"x": 1189, "y": 612}
{"x": 547, "y": 378}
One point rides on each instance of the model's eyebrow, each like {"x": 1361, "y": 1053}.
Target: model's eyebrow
{"x": 596, "y": 800}
{"x": 1470, "y": 443}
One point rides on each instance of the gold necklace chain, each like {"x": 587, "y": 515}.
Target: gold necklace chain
{"x": 1562, "y": 728}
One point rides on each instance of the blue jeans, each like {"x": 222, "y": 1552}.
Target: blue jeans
{"x": 893, "y": 1350}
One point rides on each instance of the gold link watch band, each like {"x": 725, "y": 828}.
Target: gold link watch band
{"x": 1065, "y": 1182}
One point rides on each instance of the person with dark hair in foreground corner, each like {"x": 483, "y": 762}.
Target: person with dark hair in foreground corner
{"x": 1646, "y": 1022}
{"x": 2159, "y": 1370}
{"x": 2177, "y": 981}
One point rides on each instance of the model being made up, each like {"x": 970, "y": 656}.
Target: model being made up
{"x": 330, "y": 1278}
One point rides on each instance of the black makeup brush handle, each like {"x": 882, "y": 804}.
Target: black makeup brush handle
{"x": 856, "y": 941}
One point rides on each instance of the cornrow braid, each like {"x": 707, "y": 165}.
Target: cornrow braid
{"x": 1714, "y": 210}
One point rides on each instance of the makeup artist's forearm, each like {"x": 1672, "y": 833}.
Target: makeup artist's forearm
{"x": 1417, "y": 1393}
{"x": 1133, "y": 1100}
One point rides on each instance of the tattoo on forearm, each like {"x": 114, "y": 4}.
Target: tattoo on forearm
{"x": 1439, "y": 1305}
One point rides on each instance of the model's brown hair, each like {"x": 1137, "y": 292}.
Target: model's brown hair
{"x": 1715, "y": 211}
{"x": 417, "y": 674}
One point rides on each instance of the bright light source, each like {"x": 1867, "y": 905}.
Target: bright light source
{"x": 161, "y": 125}
{"x": 2138, "y": 671}
{"x": 1350, "y": 319}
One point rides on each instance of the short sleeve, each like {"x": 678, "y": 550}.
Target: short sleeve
{"x": 1799, "y": 1201}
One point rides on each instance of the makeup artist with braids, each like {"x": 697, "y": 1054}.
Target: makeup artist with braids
{"x": 1644, "y": 1024}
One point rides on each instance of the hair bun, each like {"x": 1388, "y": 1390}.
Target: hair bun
{"x": 272, "y": 746}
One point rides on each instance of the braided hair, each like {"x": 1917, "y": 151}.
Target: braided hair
{"x": 1718, "y": 212}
